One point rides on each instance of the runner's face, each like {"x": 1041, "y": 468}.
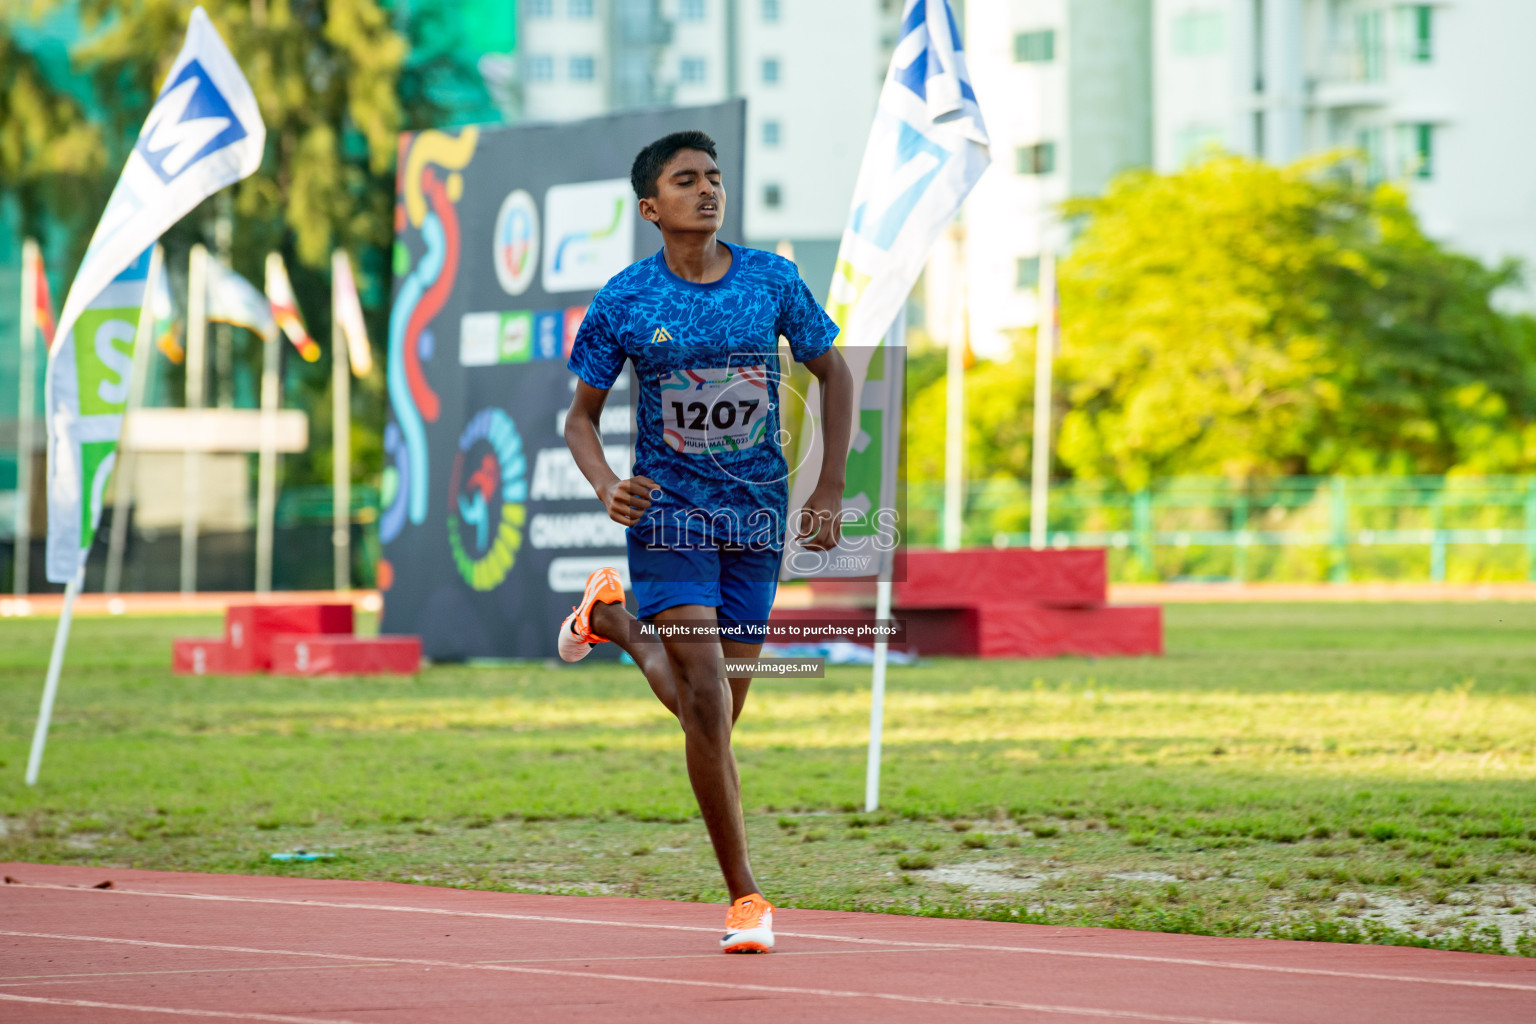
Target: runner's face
{"x": 689, "y": 195}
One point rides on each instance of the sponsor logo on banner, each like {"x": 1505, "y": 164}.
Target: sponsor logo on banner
{"x": 516, "y": 242}
{"x": 589, "y": 232}
{"x": 573, "y": 317}
{"x": 479, "y": 339}
{"x": 516, "y": 337}
{"x": 546, "y": 334}
{"x": 486, "y": 339}
{"x": 190, "y": 120}
{"x": 568, "y": 575}
{"x": 487, "y": 497}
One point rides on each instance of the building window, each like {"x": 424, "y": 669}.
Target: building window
{"x": 1026, "y": 273}
{"x": 691, "y": 70}
{"x": 1416, "y": 33}
{"x": 770, "y": 10}
{"x": 770, "y": 133}
{"x": 582, "y": 69}
{"x": 1035, "y": 47}
{"x": 541, "y": 67}
{"x": 1416, "y": 150}
{"x": 1196, "y": 142}
{"x": 1198, "y": 34}
{"x": 770, "y": 70}
{"x": 541, "y": 8}
{"x": 1037, "y": 159}
{"x": 1368, "y": 142}
{"x": 690, "y": 10}
{"x": 1368, "y": 46}
{"x": 773, "y": 197}
{"x": 580, "y": 9}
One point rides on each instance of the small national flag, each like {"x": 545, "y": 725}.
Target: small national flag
{"x": 42, "y": 303}
{"x": 286, "y": 309}
{"x": 167, "y": 325}
{"x": 348, "y": 312}
{"x": 234, "y": 300}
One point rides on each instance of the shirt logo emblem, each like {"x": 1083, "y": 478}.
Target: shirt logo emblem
{"x": 660, "y": 336}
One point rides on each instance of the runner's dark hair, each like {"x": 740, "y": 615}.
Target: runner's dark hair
{"x": 645, "y": 172}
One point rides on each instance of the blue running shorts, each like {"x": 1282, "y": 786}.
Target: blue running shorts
{"x": 739, "y": 583}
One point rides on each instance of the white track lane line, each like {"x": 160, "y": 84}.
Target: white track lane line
{"x": 730, "y": 986}
{"x": 1230, "y": 965}
{"x": 219, "y": 1014}
{"x": 28, "y": 980}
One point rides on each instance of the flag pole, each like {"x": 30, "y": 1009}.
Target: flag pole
{"x": 31, "y": 268}
{"x": 894, "y": 384}
{"x": 1045, "y": 353}
{"x": 266, "y": 471}
{"x": 877, "y": 691}
{"x": 191, "y": 467}
{"x": 122, "y": 488}
{"x": 55, "y": 665}
{"x": 954, "y": 403}
{"x": 341, "y": 437}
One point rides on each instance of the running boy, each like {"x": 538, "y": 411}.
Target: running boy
{"x": 706, "y": 507}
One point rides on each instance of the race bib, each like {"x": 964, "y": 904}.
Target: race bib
{"x": 715, "y": 411}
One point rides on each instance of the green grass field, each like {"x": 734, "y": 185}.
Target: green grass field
{"x": 1349, "y": 772}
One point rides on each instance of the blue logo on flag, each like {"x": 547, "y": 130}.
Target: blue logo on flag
{"x": 918, "y": 161}
{"x": 190, "y": 120}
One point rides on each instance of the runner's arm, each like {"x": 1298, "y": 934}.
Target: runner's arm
{"x": 822, "y": 524}
{"x": 625, "y": 500}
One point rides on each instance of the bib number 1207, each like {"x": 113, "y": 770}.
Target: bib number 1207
{"x": 722, "y": 415}
{"x": 714, "y": 410}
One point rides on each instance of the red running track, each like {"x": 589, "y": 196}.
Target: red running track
{"x": 165, "y": 946}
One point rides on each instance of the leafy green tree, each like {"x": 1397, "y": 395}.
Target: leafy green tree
{"x": 50, "y": 153}
{"x": 1247, "y": 320}
{"x": 324, "y": 74}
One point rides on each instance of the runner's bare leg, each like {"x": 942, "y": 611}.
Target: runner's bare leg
{"x": 614, "y": 622}
{"x": 704, "y": 708}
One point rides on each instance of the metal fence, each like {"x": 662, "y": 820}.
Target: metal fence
{"x": 1436, "y": 528}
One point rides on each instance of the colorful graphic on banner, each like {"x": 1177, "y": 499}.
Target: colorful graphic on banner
{"x": 486, "y": 511}
{"x": 426, "y": 202}
{"x": 591, "y": 230}
{"x": 517, "y": 242}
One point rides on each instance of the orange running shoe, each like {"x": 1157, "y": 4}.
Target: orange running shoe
{"x": 576, "y": 637}
{"x": 748, "y": 926}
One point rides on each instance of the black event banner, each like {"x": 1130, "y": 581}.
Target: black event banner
{"x": 502, "y": 237}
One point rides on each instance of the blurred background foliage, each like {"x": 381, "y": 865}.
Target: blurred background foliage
{"x": 335, "y": 82}
{"x": 1246, "y": 321}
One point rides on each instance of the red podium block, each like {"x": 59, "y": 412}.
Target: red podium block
{"x": 250, "y": 628}
{"x": 326, "y": 655}
{"x": 1064, "y": 578}
{"x": 201, "y": 656}
{"x": 1032, "y": 631}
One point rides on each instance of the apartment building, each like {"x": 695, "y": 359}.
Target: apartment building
{"x": 1426, "y": 94}
{"x": 810, "y": 72}
{"x": 1065, "y": 87}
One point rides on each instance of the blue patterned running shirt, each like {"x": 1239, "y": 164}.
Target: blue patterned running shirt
{"x": 707, "y": 364}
